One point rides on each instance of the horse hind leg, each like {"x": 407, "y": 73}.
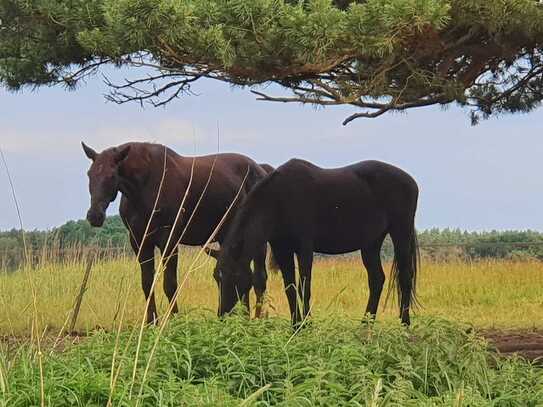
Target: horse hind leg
{"x": 305, "y": 263}
{"x": 371, "y": 257}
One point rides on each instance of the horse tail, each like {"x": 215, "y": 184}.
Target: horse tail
{"x": 406, "y": 265}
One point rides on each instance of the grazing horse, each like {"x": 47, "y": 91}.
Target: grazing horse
{"x": 301, "y": 209}
{"x": 266, "y": 167}
{"x": 154, "y": 182}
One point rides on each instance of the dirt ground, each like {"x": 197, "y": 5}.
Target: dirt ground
{"x": 527, "y": 343}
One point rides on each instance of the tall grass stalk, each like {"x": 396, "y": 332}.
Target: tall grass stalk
{"x": 35, "y": 326}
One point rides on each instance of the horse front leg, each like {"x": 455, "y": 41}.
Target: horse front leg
{"x": 170, "y": 278}
{"x": 147, "y": 265}
{"x": 260, "y": 278}
{"x": 247, "y": 303}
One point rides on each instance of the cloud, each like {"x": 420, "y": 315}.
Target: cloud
{"x": 31, "y": 141}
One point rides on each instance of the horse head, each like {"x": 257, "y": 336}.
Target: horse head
{"x": 232, "y": 274}
{"x": 103, "y": 180}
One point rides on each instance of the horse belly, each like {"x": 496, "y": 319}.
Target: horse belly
{"x": 203, "y": 212}
{"x": 349, "y": 229}
{"x": 200, "y": 229}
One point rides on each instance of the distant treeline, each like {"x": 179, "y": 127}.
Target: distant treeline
{"x": 450, "y": 244}
{"x": 438, "y": 244}
{"x": 67, "y": 241}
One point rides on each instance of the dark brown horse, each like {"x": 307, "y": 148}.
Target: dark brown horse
{"x": 266, "y": 167}
{"x": 142, "y": 172}
{"x": 301, "y": 209}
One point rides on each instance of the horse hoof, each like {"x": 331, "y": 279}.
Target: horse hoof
{"x": 297, "y": 326}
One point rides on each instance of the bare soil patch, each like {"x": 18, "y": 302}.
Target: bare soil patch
{"x": 526, "y": 343}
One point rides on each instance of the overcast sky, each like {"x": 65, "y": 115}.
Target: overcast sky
{"x": 476, "y": 178}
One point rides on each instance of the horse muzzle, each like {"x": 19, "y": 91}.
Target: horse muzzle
{"x": 96, "y": 218}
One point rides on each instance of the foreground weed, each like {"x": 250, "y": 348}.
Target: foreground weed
{"x": 201, "y": 360}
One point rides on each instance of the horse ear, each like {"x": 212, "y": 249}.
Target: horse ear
{"x": 121, "y": 155}
{"x": 212, "y": 252}
{"x": 89, "y": 152}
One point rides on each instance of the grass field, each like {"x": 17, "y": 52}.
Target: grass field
{"x": 196, "y": 359}
{"x": 498, "y": 294}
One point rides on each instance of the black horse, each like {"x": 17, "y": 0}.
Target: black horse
{"x": 301, "y": 209}
{"x": 142, "y": 172}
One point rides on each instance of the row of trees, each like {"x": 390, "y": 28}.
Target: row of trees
{"x": 74, "y": 237}
{"x": 112, "y": 233}
{"x": 448, "y": 244}
{"x": 70, "y": 240}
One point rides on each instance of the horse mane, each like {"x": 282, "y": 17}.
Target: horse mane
{"x": 256, "y": 192}
{"x": 142, "y": 155}
{"x": 151, "y": 148}
{"x": 245, "y": 211}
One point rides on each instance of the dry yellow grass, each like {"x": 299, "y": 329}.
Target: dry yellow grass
{"x": 500, "y": 294}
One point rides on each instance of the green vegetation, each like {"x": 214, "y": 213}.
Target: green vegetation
{"x": 203, "y": 361}
{"x": 377, "y": 55}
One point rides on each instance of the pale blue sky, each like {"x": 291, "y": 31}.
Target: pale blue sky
{"x": 475, "y": 178}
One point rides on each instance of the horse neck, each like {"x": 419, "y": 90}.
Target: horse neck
{"x": 139, "y": 182}
{"x": 129, "y": 187}
{"x": 257, "y": 232}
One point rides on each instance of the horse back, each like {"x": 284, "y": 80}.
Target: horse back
{"x": 207, "y": 185}
{"x": 361, "y": 180}
{"x": 341, "y": 209}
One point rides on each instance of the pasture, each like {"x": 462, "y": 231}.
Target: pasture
{"x": 487, "y": 294}
{"x": 200, "y": 360}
